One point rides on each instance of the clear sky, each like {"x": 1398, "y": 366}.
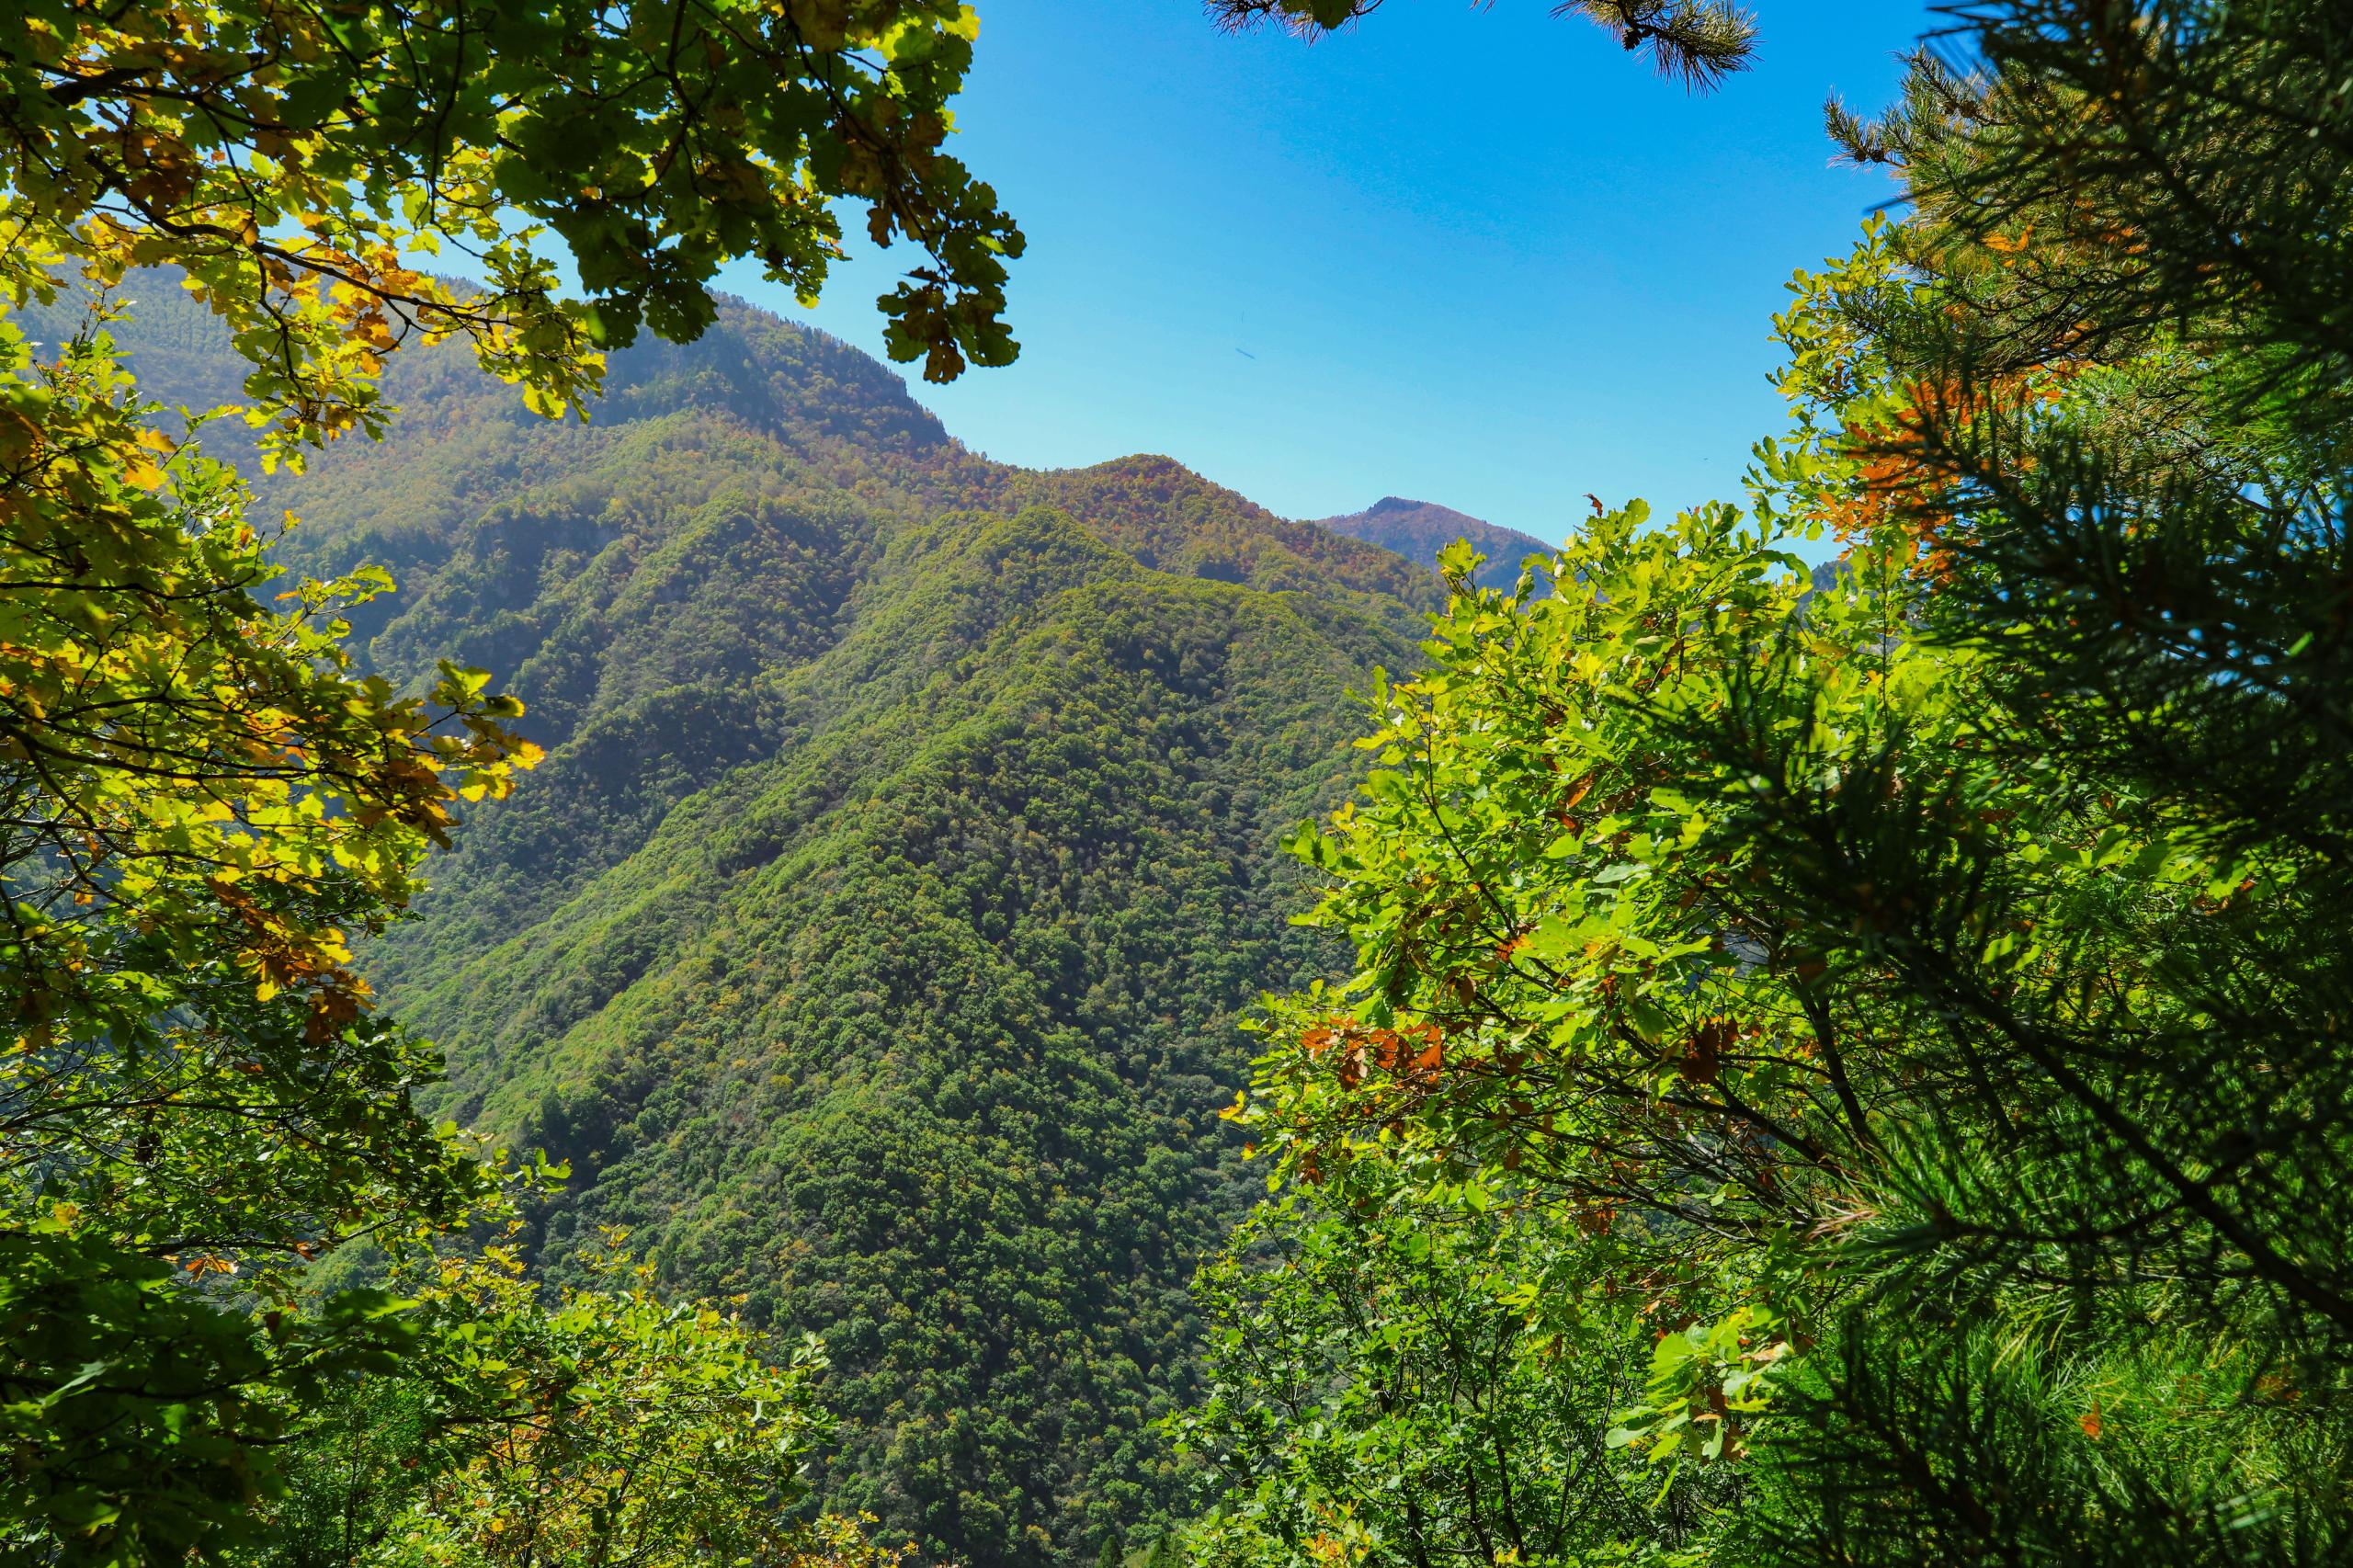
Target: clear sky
{"x": 1465, "y": 254}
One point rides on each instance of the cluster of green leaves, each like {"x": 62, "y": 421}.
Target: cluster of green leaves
{"x": 1418, "y": 1382}
{"x": 1566, "y": 1014}
{"x": 294, "y": 163}
{"x": 607, "y": 1426}
{"x": 1914, "y": 993}
{"x": 144, "y": 1422}
{"x": 203, "y": 806}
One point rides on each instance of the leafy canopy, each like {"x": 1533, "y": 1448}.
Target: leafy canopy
{"x": 296, "y": 162}
{"x": 1393, "y": 1381}
{"x": 201, "y": 806}
{"x": 607, "y": 1426}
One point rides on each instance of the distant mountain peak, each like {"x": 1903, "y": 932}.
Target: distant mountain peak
{"x": 1419, "y": 530}
{"x": 1388, "y": 504}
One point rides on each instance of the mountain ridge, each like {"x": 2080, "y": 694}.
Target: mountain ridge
{"x": 873, "y": 937}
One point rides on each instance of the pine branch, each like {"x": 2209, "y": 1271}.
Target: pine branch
{"x": 1698, "y": 42}
{"x": 1307, "y": 18}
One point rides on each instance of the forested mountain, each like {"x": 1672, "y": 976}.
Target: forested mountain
{"x": 872, "y": 940}
{"x": 1419, "y": 530}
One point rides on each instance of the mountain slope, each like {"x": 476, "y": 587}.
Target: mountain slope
{"x": 1419, "y": 530}
{"x": 913, "y": 1032}
{"x": 872, "y": 939}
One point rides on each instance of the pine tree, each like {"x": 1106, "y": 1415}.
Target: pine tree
{"x": 2111, "y": 1292}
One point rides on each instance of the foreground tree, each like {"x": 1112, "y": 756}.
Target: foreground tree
{"x": 610, "y": 1427}
{"x": 203, "y": 807}
{"x": 202, "y": 804}
{"x": 1415, "y": 1383}
{"x": 1933, "y": 986}
{"x": 2122, "y": 451}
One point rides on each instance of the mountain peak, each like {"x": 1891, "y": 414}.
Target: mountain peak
{"x": 1390, "y": 505}
{"x": 1419, "y": 530}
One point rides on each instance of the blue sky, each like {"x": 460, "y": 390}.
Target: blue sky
{"x": 1470, "y": 254}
